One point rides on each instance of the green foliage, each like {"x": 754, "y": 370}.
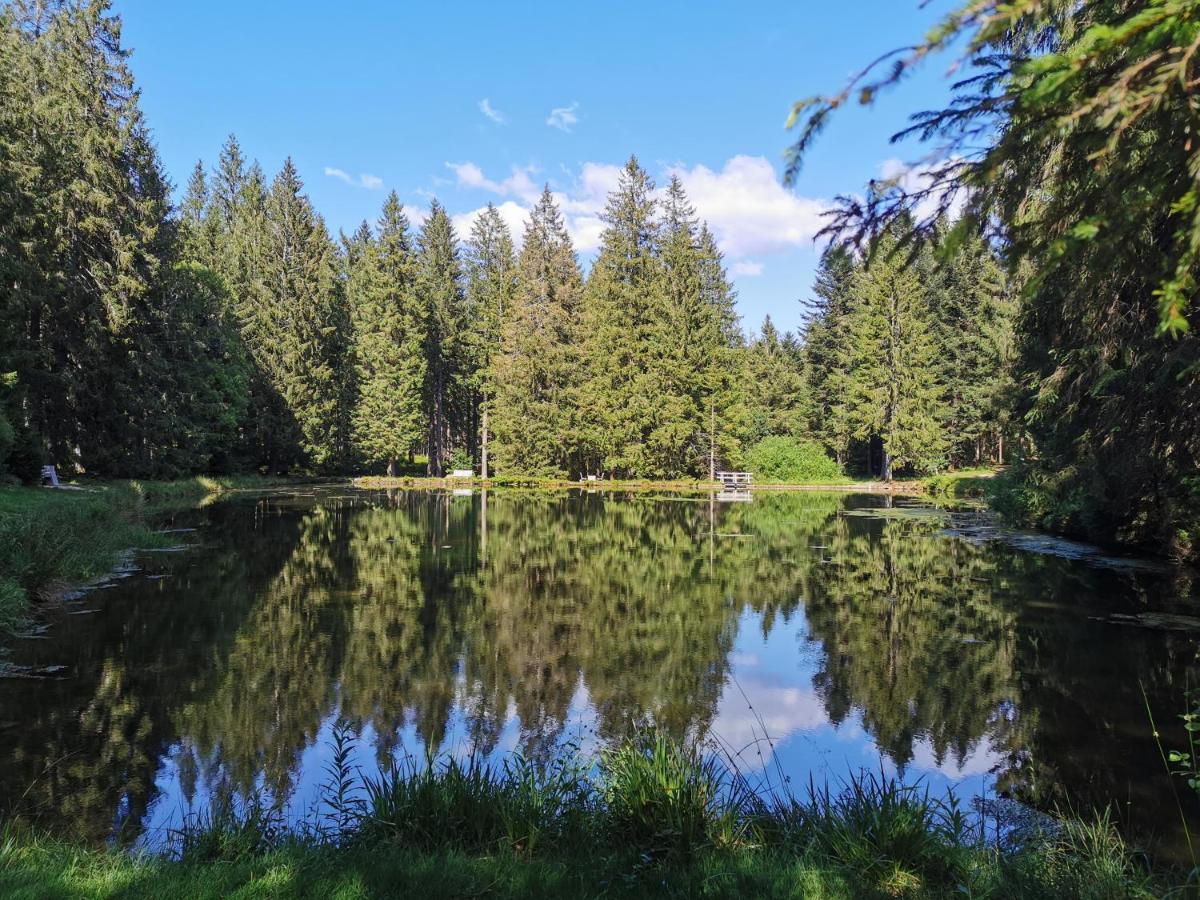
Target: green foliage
{"x": 463, "y": 828}
{"x": 1070, "y": 147}
{"x": 784, "y": 460}
{"x": 389, "y": 328}
{"x": 668, "y": 799}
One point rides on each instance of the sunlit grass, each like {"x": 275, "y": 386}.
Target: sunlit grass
{"x": 647, "y": 818}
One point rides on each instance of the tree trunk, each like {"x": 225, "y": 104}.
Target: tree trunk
{"x": 712, "y": 441}
{"x": 887, "y": 465}
{"x": 484, "y": 444}
{"x": 393, "y": 467}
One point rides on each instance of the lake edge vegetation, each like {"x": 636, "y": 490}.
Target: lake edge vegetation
{"x": 648, "y": 817}
{"x": 1067, "y": 144}
{"x": 52, "y": 541}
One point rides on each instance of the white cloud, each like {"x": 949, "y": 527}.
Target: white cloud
{"x": 485, "y": 107}
{"x": 564, "y": 118}
{"x": 748, "y": 209}
{"x": 370, "y": 182}
{"x": 518, "y": 184}
{"x": 981, "y": 758}
{"x": 514, "y": 215}
{"x": 917, "y": 178}
{"x": 777, "y": 713}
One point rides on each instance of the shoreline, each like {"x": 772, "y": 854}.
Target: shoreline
{"x": 377, "y": 482}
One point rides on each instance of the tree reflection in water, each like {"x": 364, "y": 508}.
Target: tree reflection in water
{"x": 520, "y": 621}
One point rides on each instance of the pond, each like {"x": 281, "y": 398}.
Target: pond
{"x": 811, "y": 635}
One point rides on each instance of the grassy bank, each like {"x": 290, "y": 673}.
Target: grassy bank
{"x": 961, "y": 485}
{"x": 51, "y": 540}
{"x": 650, "y": 818}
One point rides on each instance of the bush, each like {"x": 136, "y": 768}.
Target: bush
{"x": 786, "y": 460}
{"x": 460, "y": 459}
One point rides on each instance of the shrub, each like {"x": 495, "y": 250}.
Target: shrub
{"x": 792, "y": 461}
{"x": 460, "y": 459}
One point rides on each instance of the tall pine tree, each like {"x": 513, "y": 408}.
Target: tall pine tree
{"x": 535, "y": 372}
{"x": 389, "y": 341}
{"x": 620, "y": 400}
{"x": 491, "y": 275}
{"x": 895, "y": 392}
{"x": 440, "y": 289}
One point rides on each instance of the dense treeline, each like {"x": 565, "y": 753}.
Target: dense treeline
{"x": 235, "y": 333}
{"x": 1069, "y": 144}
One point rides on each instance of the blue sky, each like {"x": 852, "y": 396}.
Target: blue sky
{"x": 372, "y": 96}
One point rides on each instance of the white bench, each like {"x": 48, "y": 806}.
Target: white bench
{"x": 463, "y": 473}
{"x": 50, "y": 476}
{"x": 734, "y": 479}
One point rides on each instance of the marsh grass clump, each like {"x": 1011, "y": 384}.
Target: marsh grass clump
{"x": 669, "y": 798}
{"x": 1086, "y": 860}
{"x": 894, "y": 836}
{"x": 53, "y": 539}
{"x": 473, "y": 805}
{"x": 230, "y": 831}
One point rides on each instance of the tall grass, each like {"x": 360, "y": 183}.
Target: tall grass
{"x": 476, "y": 806}
{"x": 667, "y": 798}
{"x": 654, "y": 815}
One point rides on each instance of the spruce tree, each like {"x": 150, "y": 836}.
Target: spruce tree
{"x": 440, "y": 290}
{"x": 535, "y": 373}
{"x": 621, "y": 397}
{"x": 301, "y": 327}
{"x": 895, "y": 392}
{"x": 389, "y": 340}
{"x": 827, "y": 354}
{"x": 84, "y": 242}
{"x": 729, "y": 407}
{"x": 491, "y": 275}
{"x": 692, "y": 353}
{"x": 973, "y": 331}
{"x": 776, "y": 385}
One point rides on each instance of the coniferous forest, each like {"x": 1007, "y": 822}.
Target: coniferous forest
{"x": 267, "y": 637}
{"x": 232, "y": 332}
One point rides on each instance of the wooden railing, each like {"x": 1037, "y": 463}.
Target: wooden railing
{"x": 734, "y": 479}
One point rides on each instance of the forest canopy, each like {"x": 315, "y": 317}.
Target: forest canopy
{"x": 1069, "y": 145}
{"x": 233, "y": 332}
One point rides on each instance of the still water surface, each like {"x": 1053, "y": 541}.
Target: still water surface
{"x": 853, "y": 631}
